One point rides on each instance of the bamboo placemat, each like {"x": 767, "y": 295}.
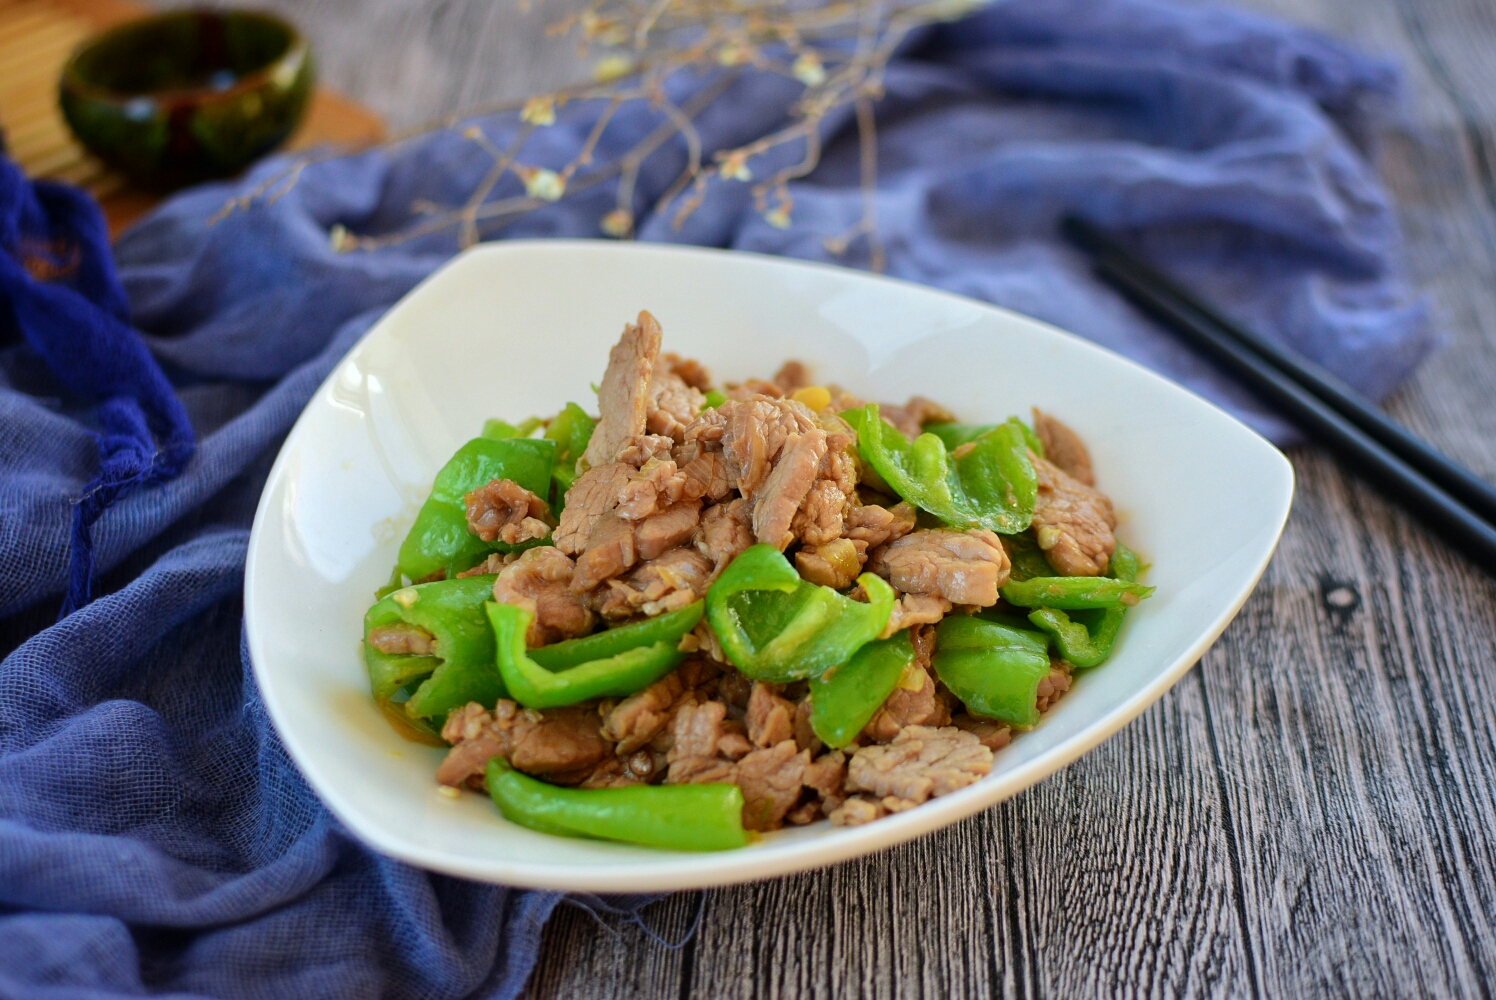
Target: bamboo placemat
{"x": 36, "y": 38}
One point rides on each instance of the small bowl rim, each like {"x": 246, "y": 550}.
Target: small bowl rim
{"x": 297, "y": 50}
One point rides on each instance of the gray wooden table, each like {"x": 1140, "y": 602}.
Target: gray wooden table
{"x": 1310, "y": 812}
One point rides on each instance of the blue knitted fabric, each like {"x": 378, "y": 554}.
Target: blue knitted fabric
{"x": 154, "y": 837}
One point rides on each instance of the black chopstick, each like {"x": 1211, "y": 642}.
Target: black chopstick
{"x": 1459, "y": 482}
{"x": 1399, "y": 479}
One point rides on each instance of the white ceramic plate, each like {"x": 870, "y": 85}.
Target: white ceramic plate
{"x": 519, "y": 328}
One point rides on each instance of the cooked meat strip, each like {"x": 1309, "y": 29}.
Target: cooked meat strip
{"x": 875, "y": 525}
{"x": 703, "y": 471}
{"x": 908, "y": 706}
{"x": 792, "y": 375}
{"x": 726, "y": 529}
{"x": 504, "y": 510}
{"x": 994, "y": 735}
{"x": 639, "y": 451}
{"x": 663, "y": 584}
{"x": 673, "y": 404}
{"x": 1050, "y": 689}
{"x": 910, "y": 418}
{"x": 540, "y": 582}
{"x": 771, "y": 780}
{"x": 1073, "y": 522}
{"x": 595, "y": 493}
{"x": 771, "y": 719}
{"x": 670, "y": 527}
{"x": 610, "y": 551}
{"x": 691, "y": 371}
{"x": 785, "y": 488}
{"x": 915, "y": 609}
{"x": 963, "y": 567}
{"x": 611, "y": 772}
{"x": 562, "y": 744}
{"x": 623, "y": 395}
{"x": 654, "y": 487}
{"x": 752, "y": 387}
{"x": 856, "y": 811}
{"x": 819, "y": 519}
{"x": 834, "y": 564}
{"x": 494, "y": 562}
{"x": 1064, "y": 448}
{"x": 757, "y": 429}
{"x": 634, "y": 721}
{"x": 401, "y": 638}
{"x": 696, "y": 730}
{"x": 921, "y": 762}
{"x": 805, "y": 736}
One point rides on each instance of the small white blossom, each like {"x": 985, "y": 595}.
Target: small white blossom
{"x": 808, "y": 69}
{"x": 617, "y": 223}
{"x": 539, "y": 111}
{"x": 614, "y": 67}
{"x": 547, "y": 185}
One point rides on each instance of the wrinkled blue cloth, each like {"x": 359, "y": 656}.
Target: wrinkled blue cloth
{"x": 154, "y": 837}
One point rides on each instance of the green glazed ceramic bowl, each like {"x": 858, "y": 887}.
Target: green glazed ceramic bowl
{"x": 187, "y": 96}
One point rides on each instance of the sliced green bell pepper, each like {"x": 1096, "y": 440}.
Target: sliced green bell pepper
{"x": 533, "y": 686}
{"x": 1074, "y": 592}
{"x": 439, "y": 539}
{"x": 992, "y": 485}
{"x": 602, "y": 645}
{"x": 1084, "y": 638}
{"x": 955, "y": 435}
{"x": 499, "y": 430}
{"x": 461, "y": 669}
{"x": 714, "y": 399}
{"x": 993, "y": 668}
{"x": 705, "y": 817}
{"x": 776, "y": 627}
{"x": 1026, "y": 558}
{"x": 571, "y": 429}
{"x": 844, "y": 698}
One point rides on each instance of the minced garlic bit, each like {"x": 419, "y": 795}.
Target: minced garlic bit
{"x": 449, "y": 792}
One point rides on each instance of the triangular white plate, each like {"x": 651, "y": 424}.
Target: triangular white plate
{"x": 512, "y": 329}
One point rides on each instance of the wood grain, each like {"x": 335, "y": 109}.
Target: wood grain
{"x": 1307, "y": 814}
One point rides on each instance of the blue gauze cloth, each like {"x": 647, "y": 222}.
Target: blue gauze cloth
{"x": 154, "y": 837}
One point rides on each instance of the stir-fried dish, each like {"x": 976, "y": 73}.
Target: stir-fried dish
{"x": 707, "y": 612}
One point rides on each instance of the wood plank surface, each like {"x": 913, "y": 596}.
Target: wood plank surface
{"x": 1309, "y": 813}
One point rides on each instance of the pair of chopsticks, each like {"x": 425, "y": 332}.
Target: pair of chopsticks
{"x": 1445, "y": 495}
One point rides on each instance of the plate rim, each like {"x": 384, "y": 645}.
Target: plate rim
{"x": 683, "y": 870}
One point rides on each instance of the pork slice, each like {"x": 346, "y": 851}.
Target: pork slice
{"x": 654, "y": 487}
{"x": 1050, "y": 688}
{"x": 757, "y": 430}
{"x": 636, "y": 720}
{"x": 921, "y": 762}
{"x": 1073, "y": 522}
{"x": 875, "y": 525}
{"x": 504, "y": 510}
{"x": 805, "y": 735}
{"x": 560, "y": 742}
{"x": 401, "y": 638}
{"x": 915, "y": 609}
{"x": 593, "y": 494}
{"x": 725, "y": 531}
{"x": 993, "y": 735}
{"x": 623, "y": 395}
{"x": 792, "y": 375}
{"x": 856, "y": 811}
{"x": 639, "y": 451}
{"x": 1064, "y": 448}
{"x": 611, "y": 772}
{"x": 834, "y": 564}
{"x": 786, "y": 487}
{"x": 667, "y": 529}
{"x": 666, "y": 583}
{"x": 910, "y": 418}
{"x": 963, "y": 567}
{"x": 694, "y": 734}
{"x": 771, "y": 781}
{"x": 908, "y": 706}
{"x": 741, "y": 391}
{"x": 610, "y": 551}
{"x": 704, "y": 472}
{"x": 691, "y": 371}
{"x": 673, "y": 404}
{"x": 770, "y": 719}
{"x": 819, "y": 519}
{"x": 540, "y": 582}
{"x": 492, "y": 563}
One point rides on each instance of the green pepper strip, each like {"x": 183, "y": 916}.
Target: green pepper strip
{"x": 462, "y": 669}
{"x": 1085, "y": 638}
{"x": 499, "y": 430}
{"x": 1074, "y": 592}
{"x": 844, "y": 698}
{"x": 991, "y": 486}
{"x": 955, "y": 435}
{"x": 571, "y": 430}
{"x": 714, "y": 399}
{"x": 666, "y": 628}
{"x": 533, "y": 686}
{"x": 439, "y": 539}
{"x": 706, "y": 817}
{"x": 993, "y": 668}
{"x": 776, "y": 627}
{"x": 1026, "y": 558}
